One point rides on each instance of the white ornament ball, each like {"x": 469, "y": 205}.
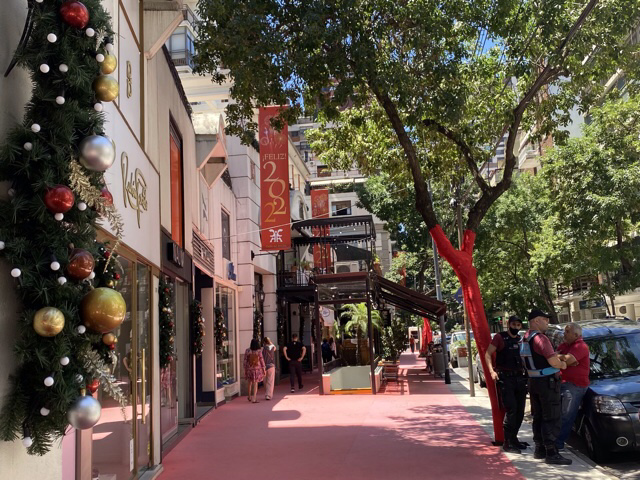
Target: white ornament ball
{"x": 39, "y": 1}
{"x": 35, "y": 128}
{"x": 60, "y": 100}
{"x": 48, "y": 382}
{"x": 28, "y": 146}
{"x": 2, "y": 245}
{"x": 44, "y": 68}
{"x": 55, "y": 266}
{"x": 52, "y": 37}
{"x": 92, "y": 275}
{"x": 97, "y": 153}
{"x": 44, "y": 411}
{"x": 28, "y": 441}
{"x": 79, "y": 378}
{"x": 63, "y": 68}
{"x": 58, "y": 216}
{"x": 11, "y": 192}
{"x": 82, "y": 206}
{"x": 81, "y": 329}
{"x": 109, "y": 47}
{"x": 100, "y": 58}
{"x": 98, "y": 107}
{"x": 15, "y": 273}
{"x": 62, "y": 280}
{"x": 90, "y": 32}
{"x": 84, "y": 412}
{"x": 64, "y": 361}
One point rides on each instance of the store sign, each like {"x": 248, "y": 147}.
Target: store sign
{"x": 175, "y": 254}
{"x": 134, "y": 187}
{"x": 586, "y": 304}
{"x": 274, "y": 183}
{"x": 320, "y": 209}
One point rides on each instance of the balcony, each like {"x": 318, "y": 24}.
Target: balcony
{"x": 181, "y": 47}
{"x": 579, "y": 286}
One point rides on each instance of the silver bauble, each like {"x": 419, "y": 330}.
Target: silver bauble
{"x": 97, "y": 153}
{"x": 84, "y": 412}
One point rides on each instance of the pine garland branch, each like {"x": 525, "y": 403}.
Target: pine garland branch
{"x": 95, "y": 365}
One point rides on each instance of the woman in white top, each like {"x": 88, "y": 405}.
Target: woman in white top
{"x": 269, "y": 354}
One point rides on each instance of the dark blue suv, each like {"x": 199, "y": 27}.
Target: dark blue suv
{"x": 609, "y": 419}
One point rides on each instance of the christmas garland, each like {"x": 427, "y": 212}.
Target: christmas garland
{"x": 197, "y": 328}
{"x": 48, "y": 230}
{"x": 257, "y": 325}
{"x": 167, "y": 326}
{"x": 220, "y": 330}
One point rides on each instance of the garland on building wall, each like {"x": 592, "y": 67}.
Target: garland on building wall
{"x": 197, "y": 327}
{"x": 221, "y": 331}
{"x": 257, "y": 324}
{"x": 167, "y": 325}
{"x": 48, "y": 230}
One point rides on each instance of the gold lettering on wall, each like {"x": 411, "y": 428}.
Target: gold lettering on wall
{"x": 129, "y": 80}
{"x": 134, "y": 187}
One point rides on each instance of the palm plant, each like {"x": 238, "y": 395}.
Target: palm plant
{"x": 357, "y": 321}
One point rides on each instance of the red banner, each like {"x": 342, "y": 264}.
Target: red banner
{"x": 275, "y": 216}
{"x": 320, "y": 209}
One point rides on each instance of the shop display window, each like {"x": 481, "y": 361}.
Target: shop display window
{"x": 225, "y": 331}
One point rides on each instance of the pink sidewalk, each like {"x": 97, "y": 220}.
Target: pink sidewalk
{"x": 417, "y": 430}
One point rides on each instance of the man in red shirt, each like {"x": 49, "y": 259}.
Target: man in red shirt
{"x": 575, "y": 379}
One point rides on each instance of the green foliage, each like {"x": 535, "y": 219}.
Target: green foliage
{"x": 166, "y": 349}
{"x": 257, "y": 325}
{"x": 30, "y": 232}
{"x": 356, "y": 319}
{"x": 393, "y": 340}
{"x": 197, "y": 327}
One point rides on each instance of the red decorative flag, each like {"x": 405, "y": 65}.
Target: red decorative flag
{"x": 275, "y": 216}
{"x": 320, "y": 209}
{"x": 427, "y": 335}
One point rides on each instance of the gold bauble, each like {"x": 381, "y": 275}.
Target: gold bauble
{"x": 103, "y": 309}
{"x": 48, "y": 322}
{"x": 109, "y": 64}
{"x": 109, "y": 339}
{"x": 106, "y": 88}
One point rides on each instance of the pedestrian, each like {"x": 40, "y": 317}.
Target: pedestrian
{"x": 575, "y": 379}
{"x": 269, "y": 355}
{"x": 511, "y": 381}
{"x": 294, "y": 353}
{"x": 543, "y": 366}
{"x": 254, "y": 369}
{"x": 412, "y": 343}
{"x": 327, "y": 352}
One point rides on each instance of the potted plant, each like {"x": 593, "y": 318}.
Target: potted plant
{"x": 356, "y": 318}
{"x": 376, "y": 264}
{"x": 393, "y": 344}
{"x": 305, "y": 265}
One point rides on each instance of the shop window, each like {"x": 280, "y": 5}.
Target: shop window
{"x": 225, "y": 333}
{"x": 175, "y": 174}
{"x": 226, "y": 236}
{"x": 341, "y": 208}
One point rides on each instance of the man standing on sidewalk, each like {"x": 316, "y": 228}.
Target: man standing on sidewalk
{"x": 575, "y": 379}
{"x": 294, "y": 352}
{"x": 510, "y": 379}
{"x": 543, "y": 365}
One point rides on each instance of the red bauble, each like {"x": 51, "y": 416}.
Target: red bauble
{"x": 80, "y": 265}
{"x": 75, "y": 14}
{"x": 59, "y": 199}
{"x": 116, "y": 276}
{"x": 106, "y": 194}
{"x": 107, "y": 254}
{"x": 112, "y": 346}
{"x": 170, "y": 324}
{"x": 93, "y": 385}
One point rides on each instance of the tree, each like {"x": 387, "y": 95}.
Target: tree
{"x": 357, "y": 322}
{"x": 593, "y": 184}
{"x": 52, "y": 256}
{"x": 430, "y": 89}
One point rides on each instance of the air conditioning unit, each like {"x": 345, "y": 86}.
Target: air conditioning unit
{"x": 312, "y": 163}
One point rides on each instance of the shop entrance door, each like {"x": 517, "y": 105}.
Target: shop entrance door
{"x": 121, "y": 440}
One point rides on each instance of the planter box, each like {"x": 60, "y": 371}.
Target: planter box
{"x": 391, "y": 370}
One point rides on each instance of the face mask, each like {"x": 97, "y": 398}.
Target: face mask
{"x": 514, "y": 331}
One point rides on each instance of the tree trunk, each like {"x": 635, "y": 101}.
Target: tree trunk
{"x": 611, "y": 295}
{"x": 462, "y": 263}
{"x": 624, "y": 261}
{"x": 543, "y": 284}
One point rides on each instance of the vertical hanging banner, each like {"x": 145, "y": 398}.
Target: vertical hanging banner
{"x": 275, "y": 216}
{"x": 320, "y": 209}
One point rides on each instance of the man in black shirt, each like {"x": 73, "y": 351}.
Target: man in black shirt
{"x": 294, "y": 352}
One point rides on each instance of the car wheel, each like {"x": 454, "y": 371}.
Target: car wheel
{"x": 594, "y": 449}
{"x": 454, "y": 362}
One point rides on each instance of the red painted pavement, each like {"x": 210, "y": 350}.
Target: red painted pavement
{"x": 417, "y": 429}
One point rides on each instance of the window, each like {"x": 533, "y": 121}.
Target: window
{"x": 225, "y": 336}
{"x": 181, "y": 47}
{"x": 175, "y": 168}
{"x": 341, "y": 208}
{"x": 323, "y": 171}
{"x": 226, "y": 236}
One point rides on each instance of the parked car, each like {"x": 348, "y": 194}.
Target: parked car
{"x": 609, "y": 418}
{"x": 453, "y": 351}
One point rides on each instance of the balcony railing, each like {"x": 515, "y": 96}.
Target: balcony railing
{"x": 183, "y": 58}
{"x": 579, "y": 286}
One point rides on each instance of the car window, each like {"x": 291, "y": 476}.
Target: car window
{"x": 614, "y": 356}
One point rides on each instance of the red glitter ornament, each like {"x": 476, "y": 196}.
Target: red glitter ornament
{"x": 106, "y": 194}
{"x": 93, "y": 385}
{"x": 116, "y": 276}
{"x": 75, "y": 14}
{"x": 107, "y": 254}
{"x": 112, "y": 346}
{"x": 59, "y": 199}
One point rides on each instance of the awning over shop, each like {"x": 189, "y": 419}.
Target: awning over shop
{"x": 407, "y": 299}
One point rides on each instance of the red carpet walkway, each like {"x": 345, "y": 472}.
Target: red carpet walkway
{"x": 417, "y": 430}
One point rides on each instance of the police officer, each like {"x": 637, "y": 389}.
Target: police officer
{"x": 511, "y": 381}
{"x": 543, "y": 365}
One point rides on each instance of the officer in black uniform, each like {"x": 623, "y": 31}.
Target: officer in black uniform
{"x": 543, "y": 364}
{"x": 511, "y": 381}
